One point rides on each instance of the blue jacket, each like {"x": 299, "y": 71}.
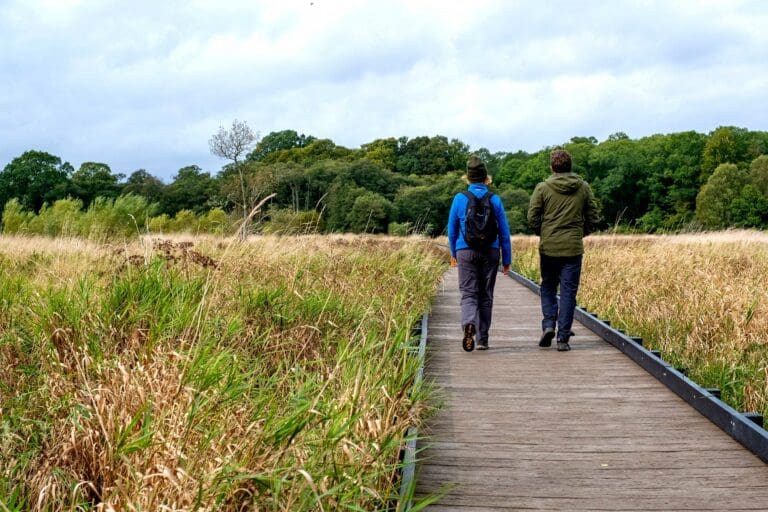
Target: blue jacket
{"x": 457, "y": 218}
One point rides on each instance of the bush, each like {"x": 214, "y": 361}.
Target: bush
{"x": 517, "y": 220}
{"x": 123, "y": 217}
{"x": 286, "y": 221}
{"x": 399, "y": 228}
{"x": 652, "y": 221}
{"x": 370, "y": 213}
{"x": 185, "y": 221}
{"x": 15, "y": 217}
{"x": 159, "y": 224}
{"x": 215, "y": 221}
{"x": 64, "y": 218}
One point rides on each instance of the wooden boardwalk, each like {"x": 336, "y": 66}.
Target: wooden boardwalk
{"x": 527, "y": 428}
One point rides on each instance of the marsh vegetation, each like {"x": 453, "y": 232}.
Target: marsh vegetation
{"x": 201, "y": 373}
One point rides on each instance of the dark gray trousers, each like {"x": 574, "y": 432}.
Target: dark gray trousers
{"x": 477, "y": 278}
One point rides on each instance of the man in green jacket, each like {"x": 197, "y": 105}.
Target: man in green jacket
{"x": 562, "y": 212}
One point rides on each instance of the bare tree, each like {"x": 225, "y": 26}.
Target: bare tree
{"x": 232, "y": 144}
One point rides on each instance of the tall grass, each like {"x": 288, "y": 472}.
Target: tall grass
{"x": 110, "y": 219}
{"x": 197, "y": 373}
{"x": 699, "y": 299}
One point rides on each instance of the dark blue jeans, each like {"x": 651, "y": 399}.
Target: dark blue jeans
{"x": 564, "y": 271}
{"x": 477, "y": 279}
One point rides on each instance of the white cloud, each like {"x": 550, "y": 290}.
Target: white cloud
{"x": 144, "y": 84}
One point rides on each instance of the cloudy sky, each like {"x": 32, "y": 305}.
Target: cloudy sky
{"x": 145, "y": 83}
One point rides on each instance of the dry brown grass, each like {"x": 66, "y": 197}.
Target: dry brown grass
{"x": 142, "y": 376}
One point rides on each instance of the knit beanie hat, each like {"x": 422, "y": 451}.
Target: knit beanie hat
{"x": 476, "y": 171}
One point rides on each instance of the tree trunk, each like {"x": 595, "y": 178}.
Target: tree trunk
{"x": 243, "y": 231}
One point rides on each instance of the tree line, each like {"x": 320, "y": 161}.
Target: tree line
{"x": 660, "y": 183}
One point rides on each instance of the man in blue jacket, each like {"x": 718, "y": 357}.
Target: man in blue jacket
{"x": 478, "y": 265}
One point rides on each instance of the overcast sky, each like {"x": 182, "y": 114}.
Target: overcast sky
{"x": 144, "y": 84}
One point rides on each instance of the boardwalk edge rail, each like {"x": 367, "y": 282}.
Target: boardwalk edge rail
{"x": 408, "y": 479}
{"x": 735, "y": 424}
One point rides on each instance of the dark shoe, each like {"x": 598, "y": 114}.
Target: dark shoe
{"x": 547, "y": 337}
{"x": 482, "y": 345}
{"x": 468, "y": 343}
{"x": 563, "y": 346}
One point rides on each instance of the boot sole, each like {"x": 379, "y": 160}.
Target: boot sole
{"x": 546, "y": 339}
{"x": 468, "y": 343}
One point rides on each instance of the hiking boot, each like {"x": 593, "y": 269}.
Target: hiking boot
{"x": 468, "y": 343}
{"x": 563, "y": 346}
{"x": 547, "y": 337}
{"x": 482, "y": 345}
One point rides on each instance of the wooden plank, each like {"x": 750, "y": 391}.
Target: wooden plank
{"x": 522, "y": 427}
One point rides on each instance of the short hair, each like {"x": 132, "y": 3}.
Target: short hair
{"x": 560, "y": 160}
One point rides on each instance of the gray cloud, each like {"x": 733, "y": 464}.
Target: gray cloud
{"x": 144, "y": 84}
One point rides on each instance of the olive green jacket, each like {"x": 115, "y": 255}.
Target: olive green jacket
{"x": 562, "y": 212}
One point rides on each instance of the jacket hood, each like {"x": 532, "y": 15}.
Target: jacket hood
{"x": 564, "y": 183}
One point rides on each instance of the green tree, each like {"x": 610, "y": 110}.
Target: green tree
{"x": 233, "y": 144}
{"x": 430, "y": 155}
{"x": 370, "y": 213}
{"x": 372, "y": 176}
{"x": 382, "y": 151}
{"x": 142, "y": 183}
{"x": 672, "y": 166}
{"x": 531, "y": 171}
{"x": 492, "y": 160}
{"x": 340, "y": 200}
{"x": 714, "y": 202}
{"x": 35, "y": 178}
{"x": 292, "y": 180}
{"x": 758, "y": 174}
{"x": 277, "y": 141}
{"x": 319, "y": 177}
{"x": 515, "y": 202}
{"x": 618, "y": 136}
{"x": 509, "y": 167}
{"x": 757, "y": 144}
{"x": 725, "y": 145}
{"x": 750, "y": 208}
{"x": 425, "y": 206}
{"x": 191, "y": 189}
{"x": 255, "y": 180}
{"x": 315, "y": 151}
{"x": 584, "y": 140}
{"x": 94, "y": 180}
{"x": 619, "y": 179}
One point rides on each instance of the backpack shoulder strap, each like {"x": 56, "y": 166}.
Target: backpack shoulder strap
{"x": 469, "y": 195}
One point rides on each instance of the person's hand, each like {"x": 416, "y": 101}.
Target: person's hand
{"x": 505, "y": 269}
{"x": 454, "y": 263}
